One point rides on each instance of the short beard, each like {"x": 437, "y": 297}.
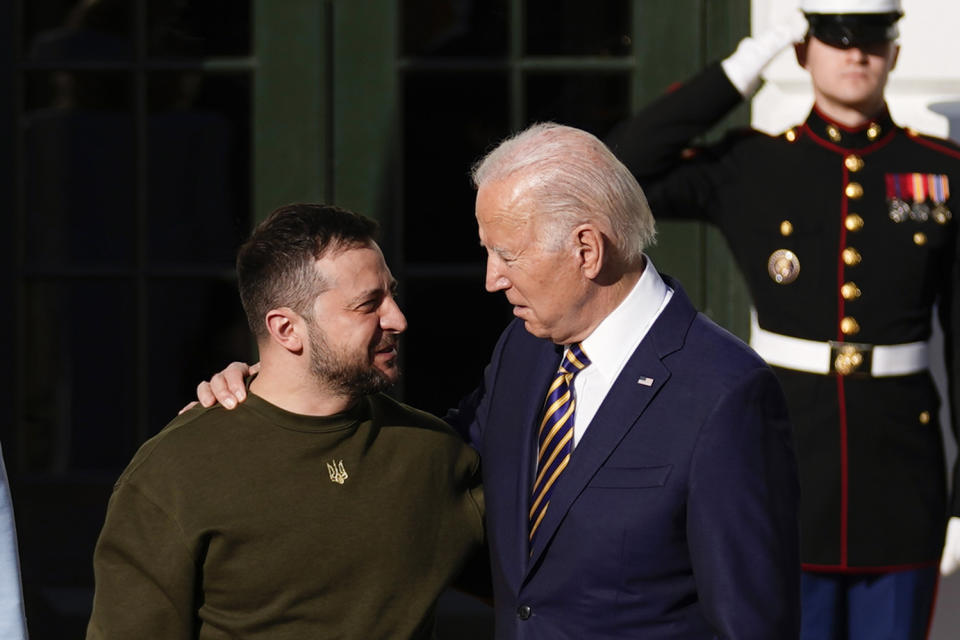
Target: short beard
{"x": 333, "y": 369}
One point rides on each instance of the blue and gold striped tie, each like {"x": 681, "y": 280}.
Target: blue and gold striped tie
{"x": 556, "y": 434}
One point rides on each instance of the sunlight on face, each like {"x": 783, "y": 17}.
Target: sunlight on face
{"x": 541, "y": 283}
{"x": 852, "y": 78}
{"x": 356, "y": 322}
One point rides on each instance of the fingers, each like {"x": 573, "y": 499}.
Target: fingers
{"x": 226, "y": 392}
{"x": 188, "y": 407}
{"x": 227, "y": 387}
{"x": 205, "y": 395}
{"x": 950, "y": 561}
{"x": 948, "y": 565}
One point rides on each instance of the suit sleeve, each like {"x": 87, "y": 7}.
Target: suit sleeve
{"x": 679, "y": 181}
{"x": 470, "y": 415}
{"x": 145, "y": 574}
{"x": 742, "y": 522}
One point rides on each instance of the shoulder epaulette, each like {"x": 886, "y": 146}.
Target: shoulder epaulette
{"x": 942, "y": 145}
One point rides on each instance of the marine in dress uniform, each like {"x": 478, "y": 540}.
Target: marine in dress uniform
{"x": 847, "y": 238}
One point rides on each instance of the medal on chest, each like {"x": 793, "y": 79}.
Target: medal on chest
{"x": 783, "y": 266}
{"x": 918, "y": 197}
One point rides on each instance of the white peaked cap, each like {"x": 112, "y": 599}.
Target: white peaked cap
{"x": 850, "y": 6}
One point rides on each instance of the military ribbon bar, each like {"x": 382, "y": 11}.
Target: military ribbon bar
{"x": 919, "y": 186}
{"x": 938, "y": 187}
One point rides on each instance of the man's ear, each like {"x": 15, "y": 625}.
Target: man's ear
{"x": 800, "y": 50}
{"x": 286, "y": 328}
{"x": 591, "y": 249}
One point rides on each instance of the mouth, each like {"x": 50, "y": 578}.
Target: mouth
{"x": 517, "y": 307}
{"x": 387, "y": 349}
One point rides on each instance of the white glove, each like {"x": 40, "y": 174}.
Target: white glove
{"x": 744, "y": 65}
{"x": 951, "y": 548}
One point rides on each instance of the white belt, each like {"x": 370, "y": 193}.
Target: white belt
{"x": 844, "y": 358}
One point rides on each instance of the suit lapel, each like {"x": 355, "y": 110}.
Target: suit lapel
{"x": 620, "y": 410}
{"x": 520, "y": 394}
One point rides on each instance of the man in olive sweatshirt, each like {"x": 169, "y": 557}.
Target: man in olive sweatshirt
{"x": 320, "y": 507}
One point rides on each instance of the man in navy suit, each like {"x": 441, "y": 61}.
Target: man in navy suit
{"x": 674, "y": 512}
{"x": 655, "y": 494}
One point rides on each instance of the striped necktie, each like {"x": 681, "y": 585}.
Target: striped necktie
{"x": 555, "y": 437}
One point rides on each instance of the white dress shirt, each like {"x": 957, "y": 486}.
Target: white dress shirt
{"x": 613, "y": 342}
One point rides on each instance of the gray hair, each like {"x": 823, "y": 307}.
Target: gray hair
{"x": 573, "y": 178}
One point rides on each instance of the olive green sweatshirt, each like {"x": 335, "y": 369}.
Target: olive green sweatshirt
{"x": 260, "y": 523}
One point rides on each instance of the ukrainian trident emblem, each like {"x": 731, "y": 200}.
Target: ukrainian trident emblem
{"x": 337, "y": 473}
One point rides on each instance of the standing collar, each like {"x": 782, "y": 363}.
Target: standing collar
{"x": 616, "y": 337}
{"x": 824, "y": 129}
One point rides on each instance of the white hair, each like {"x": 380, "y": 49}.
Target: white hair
{"x": 572, "y": 177}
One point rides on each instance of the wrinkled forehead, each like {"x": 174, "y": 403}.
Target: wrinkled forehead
{"x": 505, "y": 203}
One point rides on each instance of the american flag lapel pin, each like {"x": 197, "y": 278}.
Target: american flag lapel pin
{"x": 645, "y": 381}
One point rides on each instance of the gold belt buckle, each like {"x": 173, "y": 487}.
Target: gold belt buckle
{"x": 848, "y": 358}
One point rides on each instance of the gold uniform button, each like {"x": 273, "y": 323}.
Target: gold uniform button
{"x": 873, "y": 131}
{"x": 833, "y": 133}
{"x": 849, "y": 326}
{"x": 850, "y": 291}
{"x": 790, "y": 135}
{"x": 851, "y": 257}
{"x": 853, "y": 162}
{"x": 853, "y": 222}
{"x": 854, "y": 190}
{"x": 924, "y": 417}
{"x": 786, "y": 228}
{"x": 920, "y": 238}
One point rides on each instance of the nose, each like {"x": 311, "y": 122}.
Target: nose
{"x": 391, "y": 317}
{"x": 495, "y": 280}
{"x": 858, "y": 53}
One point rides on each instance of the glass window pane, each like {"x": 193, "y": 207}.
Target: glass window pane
{"x": 80, "y": 370}
{"x": 78, "y": 30}
{"x": 450, "y": 120}
{"x": 593, "y": 102}
{"x": 198, "y": 28}
{"x": 433, "y": 381}
{"x": 196, "y": 328}
{"x": 198, "y": 167}
{"x": 568, "y": 27}
{"x": 453, "y": 28}
{"x": 79, "y": 166}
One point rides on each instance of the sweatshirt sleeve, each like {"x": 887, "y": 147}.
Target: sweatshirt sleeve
{"x": 146, "y": 575}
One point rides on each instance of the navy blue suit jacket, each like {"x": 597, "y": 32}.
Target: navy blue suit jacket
{"x": 677, "y": 515}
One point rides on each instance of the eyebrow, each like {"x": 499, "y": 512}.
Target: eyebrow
{"x": 363, "y": 296}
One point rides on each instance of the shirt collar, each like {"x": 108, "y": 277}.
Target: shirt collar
{"x": 609, "y": 346}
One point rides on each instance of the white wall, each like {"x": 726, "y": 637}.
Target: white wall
{"x": 927, "y": 73}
